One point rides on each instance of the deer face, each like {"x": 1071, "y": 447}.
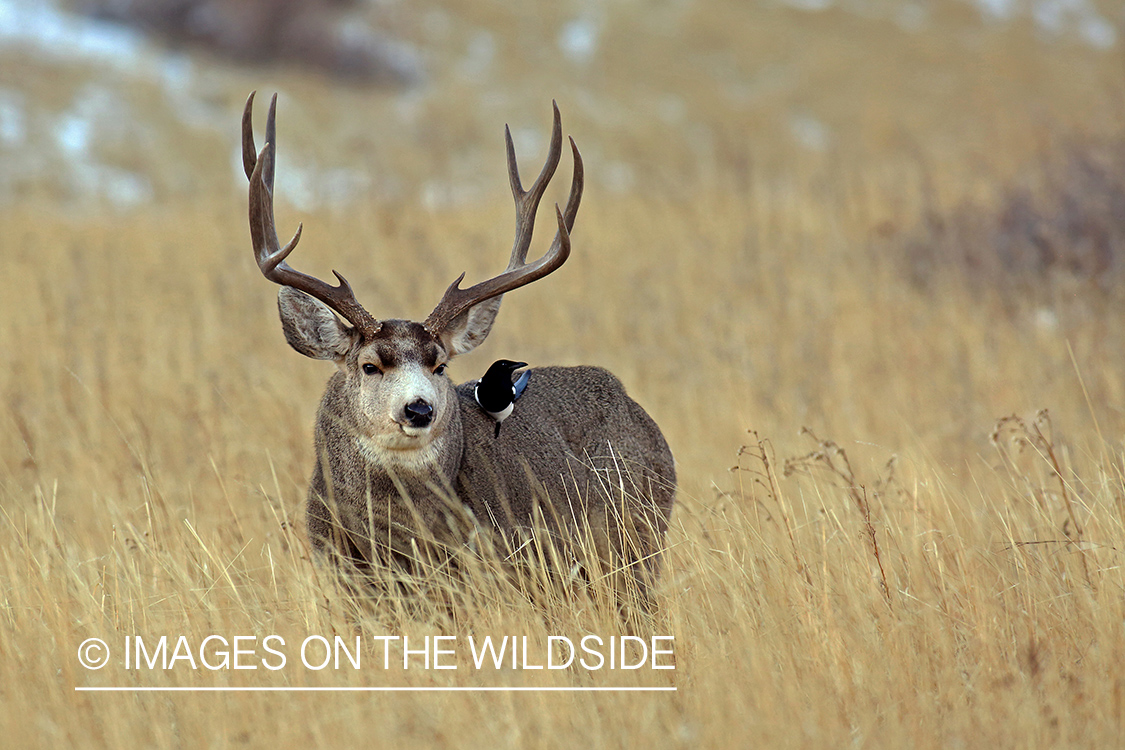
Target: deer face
{"x": 395, "y": 384}
{"x": 402, "y": 395}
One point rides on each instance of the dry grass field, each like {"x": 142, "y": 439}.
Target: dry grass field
{"x": 901, "y": 519}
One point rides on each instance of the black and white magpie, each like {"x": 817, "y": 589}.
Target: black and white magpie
{"x": 496, "y": 393}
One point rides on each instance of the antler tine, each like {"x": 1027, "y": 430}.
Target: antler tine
{"x": 456, "y": 300}
{"x": 249, "y": 150}
{"x": 263, "y": 233}
{"x": 527, "y": 202}
{"x": 577, "y": 182}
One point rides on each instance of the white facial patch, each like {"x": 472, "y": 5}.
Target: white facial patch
{"x": 407, "y": 385}
{"x": 409, "y": 455}
{"x": 390, "y": 439}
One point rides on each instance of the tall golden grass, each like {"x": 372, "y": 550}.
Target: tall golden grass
{"x": 931, "y": 561}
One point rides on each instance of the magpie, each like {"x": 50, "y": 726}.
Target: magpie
{"x": 496, "y": 393}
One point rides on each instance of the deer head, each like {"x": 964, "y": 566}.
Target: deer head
{"x": 392, "y": 372}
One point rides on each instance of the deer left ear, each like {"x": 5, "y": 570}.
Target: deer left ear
{"x": 311, "y": 328}
{"x": 469, "y": 329}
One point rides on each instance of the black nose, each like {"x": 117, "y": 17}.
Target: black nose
{"x": 419, "y": 413}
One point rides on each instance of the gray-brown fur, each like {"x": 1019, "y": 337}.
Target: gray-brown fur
{"x": 408, "y": 465}
{"x": 576, "y": 446}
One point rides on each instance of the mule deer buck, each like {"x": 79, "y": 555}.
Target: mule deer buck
{"x": 406, "y": 460}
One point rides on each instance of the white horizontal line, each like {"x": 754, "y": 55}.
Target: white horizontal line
{"x": 116, "y": 689}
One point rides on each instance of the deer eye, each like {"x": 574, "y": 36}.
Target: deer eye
{"x": 370, "y": 369}
{"x": 439, "y": 370}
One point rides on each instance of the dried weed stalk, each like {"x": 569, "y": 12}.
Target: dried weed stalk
{"x": 762, "y": 474}
{"x": 831, "y": 458}
{"x": 1038, "y": 438}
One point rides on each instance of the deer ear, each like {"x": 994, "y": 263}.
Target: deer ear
{"x": 311, "y": 328}
{"x": 469, "y": 329}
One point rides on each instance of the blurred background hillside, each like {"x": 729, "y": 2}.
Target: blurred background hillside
{"x": 125, "y": 103}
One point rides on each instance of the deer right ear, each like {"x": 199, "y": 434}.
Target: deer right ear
{"x": 311, "y": 328}
{"x": 469, "y": 329}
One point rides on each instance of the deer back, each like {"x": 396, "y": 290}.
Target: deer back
{"x": 578, "y": 458}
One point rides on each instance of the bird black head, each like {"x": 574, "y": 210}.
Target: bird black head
{"x": 501, "y": 367}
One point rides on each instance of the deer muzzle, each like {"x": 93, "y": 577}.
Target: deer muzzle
{"x": 418, "y": 414}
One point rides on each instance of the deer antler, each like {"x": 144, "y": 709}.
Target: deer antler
{"x": 456, "y": 300}
{"x": 271, "y": 257}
